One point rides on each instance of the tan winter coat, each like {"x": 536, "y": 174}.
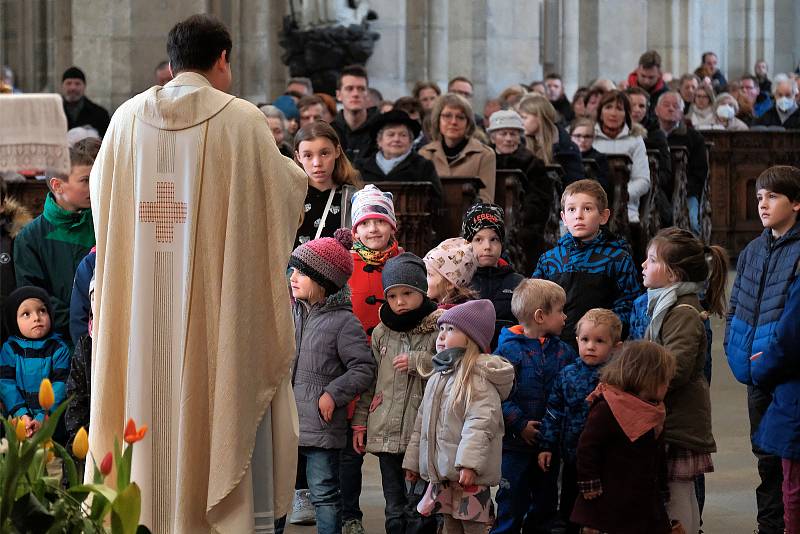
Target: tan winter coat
{"x": 470, "y": 435}
{"x": 389, "y": 408}
{"x": 476, "y": 159}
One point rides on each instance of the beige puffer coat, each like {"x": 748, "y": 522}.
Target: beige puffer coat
{"x": 466, "y": 436}
{"x": 390, "y": 413}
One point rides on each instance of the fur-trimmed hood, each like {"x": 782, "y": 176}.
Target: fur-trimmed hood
{"x": 428, "y": 324}
{"x": 14, "y": 216}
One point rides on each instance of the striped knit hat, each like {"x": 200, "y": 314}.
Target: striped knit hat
{"x": 372, "y": 203}
{"x": 475, "y": 318}
{"x": 327, "y": 260}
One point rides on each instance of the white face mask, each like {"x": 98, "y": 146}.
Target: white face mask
{"x": 784, "y": 103}
{"x": 726, "y": 112}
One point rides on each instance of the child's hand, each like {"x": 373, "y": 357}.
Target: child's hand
{"x": 32, "y": 427}
{"x": 359, "y": 439}
{"x": 400, "y": 363}
{"x": 531, "y": 432}
{"x": 411, "y": 476}
{"x": 466, "y": 477}
{"x": 589, "y": 495}
{"x": 544, "y": 461}
{"x": 326, "y": 407}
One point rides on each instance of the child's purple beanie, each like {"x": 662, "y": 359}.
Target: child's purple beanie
{"x": 475, "y": 318}
{"x": 327, "y": 260}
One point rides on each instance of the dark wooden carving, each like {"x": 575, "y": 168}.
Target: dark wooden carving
{"x": 680, "y": 208}
{"x": 413, "y": 204}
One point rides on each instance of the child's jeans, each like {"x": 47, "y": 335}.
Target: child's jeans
{"x": 402, "y": 498}
{"x": 526, "y": 490}
{"x": 791, "y": 495}
{"x": 350, "y": 464}
{"x": 322, "y": 472}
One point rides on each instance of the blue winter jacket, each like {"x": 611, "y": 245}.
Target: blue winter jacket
{"x": 535, "y": 367}
{"x": 80, "y": 307}
{"x": 24, "y": 363}
{"x": 567, "y": 409}
{"x": 763, "y": 318}
{"x": 596, "y": 274}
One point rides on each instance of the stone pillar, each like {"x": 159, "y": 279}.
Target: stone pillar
{"x": 786, "y": 50}
{"x": 467, "y": 46}
{"x": 622, "y": 37}
{"x": 570, "y": 47}
{"x": 387, "y": 65}
{"x": 513, "y": 44}
{"x": 438, "y": 42}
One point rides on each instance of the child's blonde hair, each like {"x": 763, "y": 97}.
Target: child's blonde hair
{"x": 462, "y": 380}
{"x": 685, "y": 256}
{"x": 588, "y": 187}
{"x": 535, "y": 294}
{"x": 602, "y": 317}
{"x": 640, "y": 367}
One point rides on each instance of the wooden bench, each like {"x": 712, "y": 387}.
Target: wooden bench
{"x": 413, "y": 206}
{"x": 619, "y": 173}
{"x": 458, "y": 194}
{"x": 737, "y": 159}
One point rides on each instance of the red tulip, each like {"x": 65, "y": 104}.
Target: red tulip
{"x": 132, "y": 435}
{"x": 106, "y": 464}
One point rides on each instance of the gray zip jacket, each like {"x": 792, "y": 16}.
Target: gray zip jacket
{"x": 332, "y": 356}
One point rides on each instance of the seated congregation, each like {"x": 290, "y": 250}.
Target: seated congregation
{"x": 517, "y": 299}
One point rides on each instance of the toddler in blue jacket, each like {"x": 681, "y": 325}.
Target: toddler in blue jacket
{"x": 534, "y": 349}
{"x": 32, "y": 353}
{"x": 599, "y": 333}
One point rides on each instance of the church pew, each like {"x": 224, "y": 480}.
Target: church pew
{"x": 414, "y": 208}
{"x": 619, "y": 167}
{"x": 458, "y": 194}
{"x": 649, "y": 215}
{"x": 30, "y": 193}
{"x": 508, "y": 189}
{"x": 680, "y": 208}
{"x": 736, "y": 161}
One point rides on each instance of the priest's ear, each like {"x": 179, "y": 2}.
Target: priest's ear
{"x": 220, "y": 73}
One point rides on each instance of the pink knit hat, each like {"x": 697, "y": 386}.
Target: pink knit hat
{"x": 475, "y": 318}
{"x": 372, "y": 203}
{"x": 453, "y": 259}
{"x": 327, "y": 260}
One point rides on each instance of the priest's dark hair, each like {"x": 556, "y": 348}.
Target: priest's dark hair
{"x": 197, "y": 42}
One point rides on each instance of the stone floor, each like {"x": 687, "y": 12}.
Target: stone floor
{"x": 730, "y": 501}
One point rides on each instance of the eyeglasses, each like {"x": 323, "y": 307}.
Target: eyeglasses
{"x": 458, "y": 117}
{"x": 581, "y": 136}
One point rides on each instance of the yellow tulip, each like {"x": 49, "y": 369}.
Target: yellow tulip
{"x": 20, "y": 430}
{"x": 80, "y": 445}
{"x": 46, "y": 396}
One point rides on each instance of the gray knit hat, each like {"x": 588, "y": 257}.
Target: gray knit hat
{"x": 405, "y": 269}
{"x": 505, "y": 118}
{"x": 475, "y": 318}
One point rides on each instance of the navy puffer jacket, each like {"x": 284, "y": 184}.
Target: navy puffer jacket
{"x": 765, "y": 304}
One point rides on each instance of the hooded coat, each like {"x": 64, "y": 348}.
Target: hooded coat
{"x": 448, "y": 437}
{"x": 13, "y": 217}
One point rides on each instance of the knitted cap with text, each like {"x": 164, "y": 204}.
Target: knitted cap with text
{"x": 372, "y": 203}
{"x": 475, "y": 318}
{"x": 327, "y": 260}
{"x": 481, "y": 216}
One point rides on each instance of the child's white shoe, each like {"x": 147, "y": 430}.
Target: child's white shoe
{"x": 302, "y": 509}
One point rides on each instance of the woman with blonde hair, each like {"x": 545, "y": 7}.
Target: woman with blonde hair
{"x": 454, "y": 151}
{"x": 548, "y": 141}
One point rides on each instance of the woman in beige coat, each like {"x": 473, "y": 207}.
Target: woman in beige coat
{"x": 454, "y": 151}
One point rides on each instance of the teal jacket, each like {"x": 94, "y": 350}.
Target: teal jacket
{"x": 47, "y": 253}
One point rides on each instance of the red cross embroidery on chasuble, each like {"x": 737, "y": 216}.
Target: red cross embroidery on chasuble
{"x": 164, "y": 212}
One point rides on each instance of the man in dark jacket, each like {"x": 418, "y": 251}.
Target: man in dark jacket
{"x": 785, "y": 112}
{"x": 79, "y": 110}
{"x": 353, "y": 122}
{"x": 670, "y": 117}
{"x": 555, "y": 93}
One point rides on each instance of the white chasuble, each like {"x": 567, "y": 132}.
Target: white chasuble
{"x": 195, "y": 213}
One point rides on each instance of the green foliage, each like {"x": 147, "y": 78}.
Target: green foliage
{"x": 32, "y": 502}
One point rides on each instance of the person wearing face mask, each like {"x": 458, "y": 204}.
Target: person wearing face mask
{"x": 785, "y": 111}
{"x": 725, "y": 109}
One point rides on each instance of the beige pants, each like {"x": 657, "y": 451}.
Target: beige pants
{"x": 455, "y": 526}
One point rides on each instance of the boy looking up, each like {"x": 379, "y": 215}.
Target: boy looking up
{"x": 594, "y": 268}
{"x": 48, "y": 250}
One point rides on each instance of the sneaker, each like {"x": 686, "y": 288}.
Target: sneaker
{"x": 302, "y": 509}
{"x": 353, "y": 526}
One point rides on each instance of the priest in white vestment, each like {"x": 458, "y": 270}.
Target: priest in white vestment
{"x": 195, "y": 213}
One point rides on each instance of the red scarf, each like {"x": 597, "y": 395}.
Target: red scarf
{"x": 634, "y": 415}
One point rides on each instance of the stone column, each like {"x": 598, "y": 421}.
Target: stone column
{"x": 513, "y": 44}
{"x": 570, "y": 47}
{"x": 387, "y": 65}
